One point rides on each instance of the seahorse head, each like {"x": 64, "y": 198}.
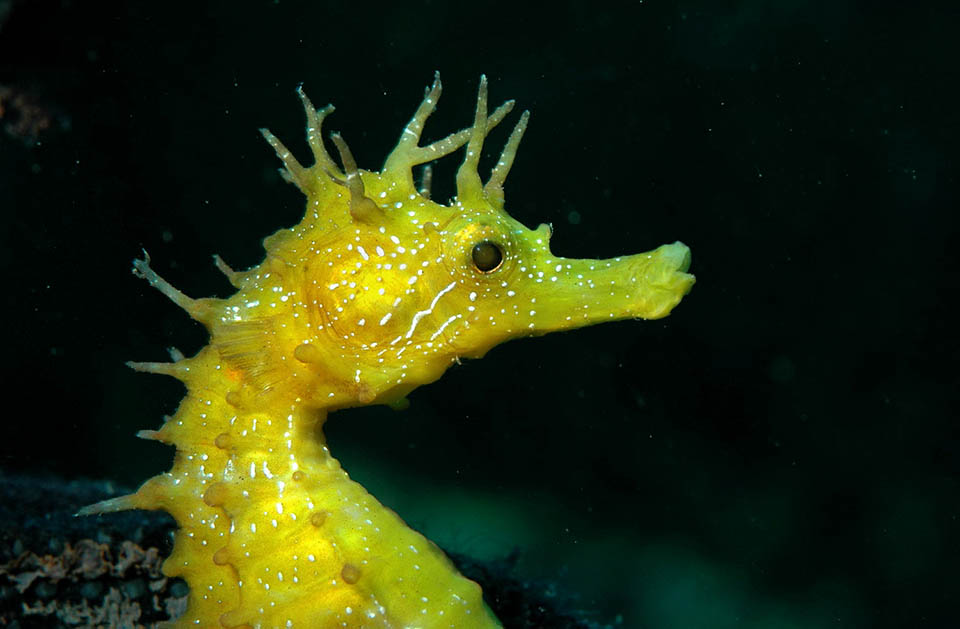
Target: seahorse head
{"x": 397, "y": 286}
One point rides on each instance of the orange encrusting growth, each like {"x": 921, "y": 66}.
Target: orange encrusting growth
{"x": 378, "y": 290}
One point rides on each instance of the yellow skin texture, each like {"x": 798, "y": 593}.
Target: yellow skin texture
{"x": 374, "y": 293}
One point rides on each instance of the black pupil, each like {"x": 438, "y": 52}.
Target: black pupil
{"x": 487, "y": 256}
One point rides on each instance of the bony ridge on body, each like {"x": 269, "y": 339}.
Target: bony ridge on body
{"x": 376, "y": 291}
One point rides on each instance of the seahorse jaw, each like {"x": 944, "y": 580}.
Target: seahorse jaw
{"x": 664, "y": 272}
{"x": 665, "y": 280}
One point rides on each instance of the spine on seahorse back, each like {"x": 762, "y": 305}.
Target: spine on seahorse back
{"x": 251, "y": 486}
{"x": 378, "y": 290}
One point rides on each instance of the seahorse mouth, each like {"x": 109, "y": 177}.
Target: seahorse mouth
{"x": 677, "y": 254}
{"x": 661, "y": 279}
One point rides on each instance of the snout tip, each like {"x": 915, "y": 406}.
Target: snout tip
{"x": 677, "y": 256}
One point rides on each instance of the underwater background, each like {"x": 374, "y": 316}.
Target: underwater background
{"x": 783, "y": 451}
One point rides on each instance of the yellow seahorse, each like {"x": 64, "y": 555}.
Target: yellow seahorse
{"x": 378, "y": 290}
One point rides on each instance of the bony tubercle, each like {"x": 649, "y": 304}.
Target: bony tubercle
{"x": 378, "y": 290}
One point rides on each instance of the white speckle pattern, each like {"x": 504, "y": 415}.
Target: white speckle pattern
{"x": 374, "y": 293}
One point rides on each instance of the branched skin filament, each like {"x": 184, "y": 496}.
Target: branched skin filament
{"x": 375, "y": 292}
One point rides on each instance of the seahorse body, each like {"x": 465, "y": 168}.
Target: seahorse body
{"x": 378, "y": 290}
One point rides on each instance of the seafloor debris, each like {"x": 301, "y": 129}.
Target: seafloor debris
{"x": 57, "y": 570}
{"x": 22, "y": 114}
{"x": 91, "y": 584}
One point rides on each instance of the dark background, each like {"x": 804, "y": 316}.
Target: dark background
{"x": 780, "y": 452}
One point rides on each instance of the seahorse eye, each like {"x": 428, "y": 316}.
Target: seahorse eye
{"x": 487, "y": 256}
